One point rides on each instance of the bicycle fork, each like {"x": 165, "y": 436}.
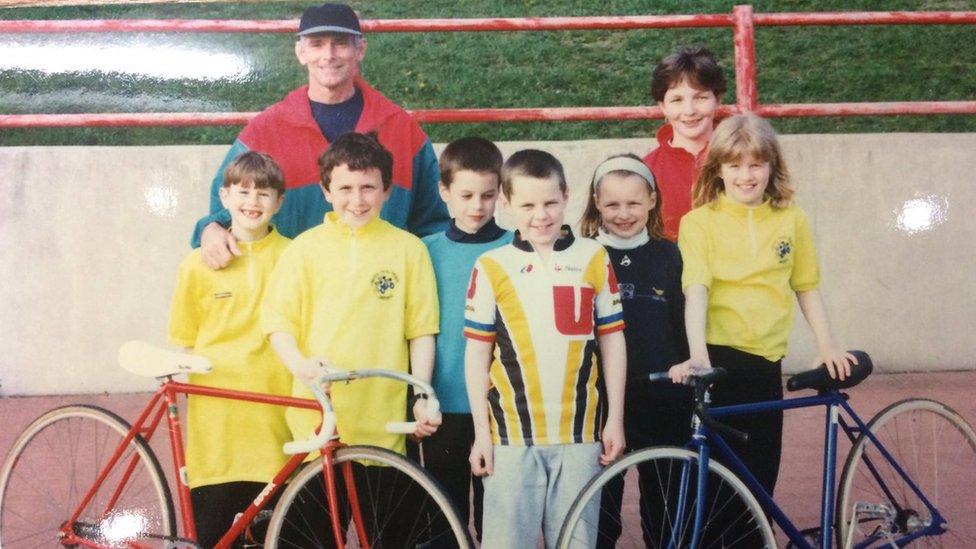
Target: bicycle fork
{"x": 332, "y": 497}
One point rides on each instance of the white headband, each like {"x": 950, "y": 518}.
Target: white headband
{"x": 623, "y": 163}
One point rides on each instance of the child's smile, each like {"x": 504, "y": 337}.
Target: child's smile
{"x": 250, "y": 208}
{"x": 356, "y": 196}
{"x": 624, "y": 202}
{"x": 745, "y": 179}
{"x": 538, "y": 206}
{"x": 691, "y": 112}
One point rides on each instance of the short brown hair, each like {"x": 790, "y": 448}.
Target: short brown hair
{"x": 735, "y": 136}
{"x": 475, "y": 154}
{"x": 257, "y": 168}
{"x": 359, "y": 152}
{"x": 695, "y": 63}
{"x": 531, "y": 163}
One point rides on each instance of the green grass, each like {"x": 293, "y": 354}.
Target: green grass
{"x": 523, "y": 69}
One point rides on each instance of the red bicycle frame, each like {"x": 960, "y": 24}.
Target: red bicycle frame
{"x": 165, "y": 400}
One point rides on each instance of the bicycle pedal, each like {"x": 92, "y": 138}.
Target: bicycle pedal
{"x": 249, "y": 536}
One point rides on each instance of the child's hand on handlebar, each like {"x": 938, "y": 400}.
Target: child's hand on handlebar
{"x": 309, "y": 370}
{"x": 680, "y": 373}
{"x": 426, "y": 424}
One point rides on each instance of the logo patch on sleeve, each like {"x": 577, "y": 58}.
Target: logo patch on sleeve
{"x": 385, "y": 283}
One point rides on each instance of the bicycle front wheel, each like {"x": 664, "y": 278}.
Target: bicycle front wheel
{"x": 937, "y": 450}
{"x": 399, "y": 505}
{"x": 56, "y": 461}
{"x": 648, "y": 499}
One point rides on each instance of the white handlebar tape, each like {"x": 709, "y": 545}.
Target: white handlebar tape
{"x": 402, "y": 427}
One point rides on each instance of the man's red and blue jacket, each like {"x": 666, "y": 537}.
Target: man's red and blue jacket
{"x": 287, "y": 131}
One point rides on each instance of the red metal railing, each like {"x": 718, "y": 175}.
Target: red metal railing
{"x": 742, "y": 20}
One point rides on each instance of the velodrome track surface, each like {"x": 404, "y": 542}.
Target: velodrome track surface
{"x": 798, "y": 489}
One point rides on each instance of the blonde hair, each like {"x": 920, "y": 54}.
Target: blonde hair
{"x": 591, "y": 221}
{"x": 734, "y": 137}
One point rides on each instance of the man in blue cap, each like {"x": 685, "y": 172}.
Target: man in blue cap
{"x": 296, "y": 130}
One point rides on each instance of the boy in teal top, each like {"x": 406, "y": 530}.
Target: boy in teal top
{"x": 470, "y": 171}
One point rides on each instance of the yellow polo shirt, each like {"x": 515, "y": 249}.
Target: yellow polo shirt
{"x": 216, "y": 313}
{"x": 356, "y": 297}
{"x": 753, "y": 260}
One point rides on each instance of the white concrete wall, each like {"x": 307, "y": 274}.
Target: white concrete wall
{"x": 90, "y": 238}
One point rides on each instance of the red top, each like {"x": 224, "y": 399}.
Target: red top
{"x": 675, "y": 170}
{"x": 288, "y": 132}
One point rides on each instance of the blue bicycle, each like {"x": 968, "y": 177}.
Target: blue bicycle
{"x": 910, "y": 477}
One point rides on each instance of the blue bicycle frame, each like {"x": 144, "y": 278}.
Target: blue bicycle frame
{"x": 706, "y": 440}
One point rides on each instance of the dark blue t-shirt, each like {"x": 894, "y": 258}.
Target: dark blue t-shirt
{"x": 339, "y": 118}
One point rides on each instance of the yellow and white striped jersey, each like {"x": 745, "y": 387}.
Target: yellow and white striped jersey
{"x": 543, "y": 318}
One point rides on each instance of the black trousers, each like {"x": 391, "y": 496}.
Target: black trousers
{"x": 648, "y": 421}
{"x": 446, "y": 458}
{"x": 750, "y": 379}
{"x": 215, "y": 505}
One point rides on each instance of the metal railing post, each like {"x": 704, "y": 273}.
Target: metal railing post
{"x": 744, "y": 38}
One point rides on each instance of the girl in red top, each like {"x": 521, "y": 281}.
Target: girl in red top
{"x": 688, "y": 86}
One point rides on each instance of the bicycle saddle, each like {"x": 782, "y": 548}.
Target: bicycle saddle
{"x": 145, "y": 359}
{"x": 818, "y": 378}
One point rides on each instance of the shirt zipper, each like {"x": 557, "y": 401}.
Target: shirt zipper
{"x": 752, "y": 233}
{"x": 353, "y": 251}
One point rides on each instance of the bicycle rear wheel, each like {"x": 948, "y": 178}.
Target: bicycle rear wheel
{"x": 400, "y": 505}
{"x": 53, "y": 464}
{"x": 937, "y": 449}
{"x": 656, "y": 507}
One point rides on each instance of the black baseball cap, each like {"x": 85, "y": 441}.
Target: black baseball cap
{"x": 329, "y": 18}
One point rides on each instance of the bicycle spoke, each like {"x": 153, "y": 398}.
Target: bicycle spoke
{"x": 399, "y": 505}
{"x": 55, "y": 463}
{"x": 937, "y": 450}
{"x": 653, "y": 478}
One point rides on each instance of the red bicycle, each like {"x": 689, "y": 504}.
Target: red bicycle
{"x": 81, "y": 476}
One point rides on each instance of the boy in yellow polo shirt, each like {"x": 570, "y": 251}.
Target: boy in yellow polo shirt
{"x": 358, "y": 293}
{"x": 233, "y": 447}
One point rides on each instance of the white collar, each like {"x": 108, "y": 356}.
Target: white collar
{"x": 619, "y": 243}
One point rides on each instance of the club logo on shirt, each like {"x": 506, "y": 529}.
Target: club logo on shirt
{"x": 783, "y": 248}
{"x": 384, "y": 282}
{"x": 626, "y": 290}
{"x": 625, "y": 261}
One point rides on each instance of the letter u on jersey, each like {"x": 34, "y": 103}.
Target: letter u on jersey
{"x": 574, "y": 310}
